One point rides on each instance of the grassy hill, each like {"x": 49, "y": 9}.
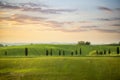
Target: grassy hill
{"x": 37, "y": 66}
{"x": 40, "y": 49}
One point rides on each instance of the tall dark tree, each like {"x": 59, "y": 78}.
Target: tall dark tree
{"x": 97, "y": 52}
{"x": 47, "y": 52}
{"x": 26, "y": 51}
{"x": 101, "y": 53}
{"x": 5, "y": 53}
{"x": 59, "y": 52}
{"x": 109, "y": 51}
{"x": 118, "y": 50}
{"x": 80, "y": 51}
{"x": 71, "y": 53}
{"x": 51, "y": 52}
{"x": 63, "y": 53}
{"x": 76, "y": 52}
{"x": 104, "y": 51}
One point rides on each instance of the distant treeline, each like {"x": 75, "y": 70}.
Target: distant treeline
{"x": 79, "y": 43}
{"x": 89, "y": 43}
{"x": 84, "y": 43}
{"x": 114, "y": 44}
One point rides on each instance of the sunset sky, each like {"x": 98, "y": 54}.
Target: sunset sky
{"x": 97, "y": 21}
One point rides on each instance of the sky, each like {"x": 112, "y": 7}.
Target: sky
{"x": 97, "y": 21}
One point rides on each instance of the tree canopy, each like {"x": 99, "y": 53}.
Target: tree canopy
{"x": 84, "y": 43}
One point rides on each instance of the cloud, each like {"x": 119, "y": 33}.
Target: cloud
{"x": 85, "y": 22}
{"x": 89, "y": 26}
{"x": 8, "y": 5}
{"x": 22, "y": 19}
{"x": 67, "y": 26}
{"x": 30, "y": 4}
{"x": 118, "y": 9}
{"x": 106, "y": 9}
{"x": 116, "y": 19}
{"x": 47, "y": 11}
{"x": 108, "y": 19}
{"x": 108, "y": 30}
{"x": 57, "y": 11}
{"x": 20, "y": 5}
{"x": 118, "y": 25}
{"x": 103, "y": 19}
{"x": 34, "y": 7}
{"x": 73, "y": 26}
{"x": 55, "y": 24}
{"x": 68, "y": 30}
{"x": 75, "y": 29}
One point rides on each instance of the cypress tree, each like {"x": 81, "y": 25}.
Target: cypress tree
{"x": 76, "y": 52}
{"x": 26, "y": 51}
{"x": 5, "y": 53}
{"x": 71, "y": 53}
{"x": 59, "y": 52}
{"x": 109, "y": 51}
{"x": 101, "y": 52}
{"x": 104, "y": 51}
{"x": 47, "y": 52}
{"x": 118, "y": 50}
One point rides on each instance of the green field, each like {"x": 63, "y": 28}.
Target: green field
{"x": 40, "y": 50}
{"x": 60, "y": 68}
{"x": 37, "y": 66}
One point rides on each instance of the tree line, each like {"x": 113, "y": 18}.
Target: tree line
{"x": 63, "y": 52}
{"x": 84, "y": 43}
{"x": 104, "y": 52}
{"x": 49, "y": 52}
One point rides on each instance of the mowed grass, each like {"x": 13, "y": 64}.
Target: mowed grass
{"x": 60, "y": 68}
